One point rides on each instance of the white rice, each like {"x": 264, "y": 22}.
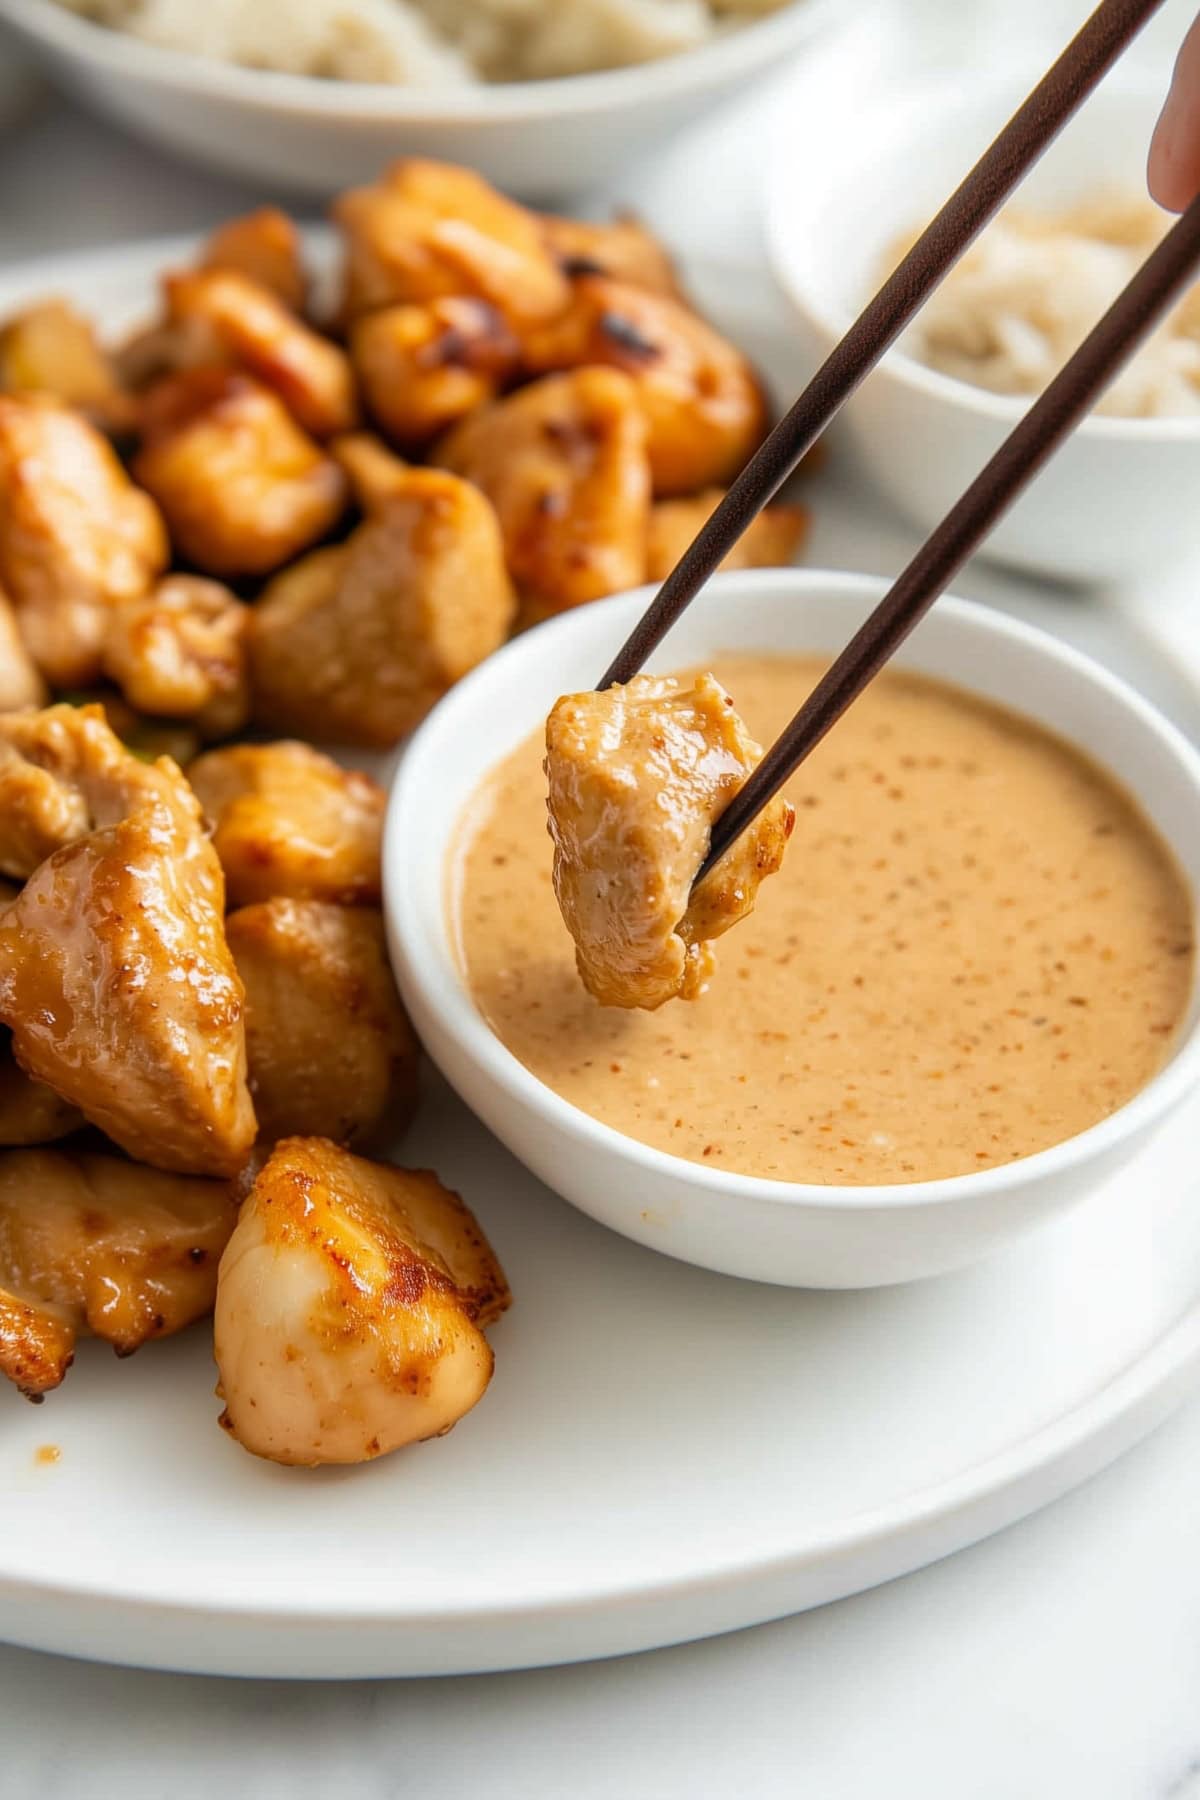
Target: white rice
{"x": 1026, "y": 295}
{"x": 427, "y": 43}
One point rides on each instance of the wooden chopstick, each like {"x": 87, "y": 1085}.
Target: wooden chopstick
{"x": 1028, "y": 133}
{"x": 1164, "y": 275}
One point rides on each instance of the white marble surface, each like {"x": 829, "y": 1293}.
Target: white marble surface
{"x": 1060, "y": 1659}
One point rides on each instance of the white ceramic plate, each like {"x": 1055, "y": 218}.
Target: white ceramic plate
{"x": 664, "y": 1453}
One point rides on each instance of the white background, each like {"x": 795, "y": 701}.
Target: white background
{"x": 1062, "y": 1658}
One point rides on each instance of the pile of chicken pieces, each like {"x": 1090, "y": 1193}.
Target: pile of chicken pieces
{"x": 237, "y": 533}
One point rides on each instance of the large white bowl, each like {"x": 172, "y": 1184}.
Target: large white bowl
{"x": 1118, "y": 495}
{"x": 539, "y": 140}
{"x": 783, "y": 1232}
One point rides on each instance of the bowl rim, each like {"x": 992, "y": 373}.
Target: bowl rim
{"x": 889, "y": 125}
{"x": 416, "y": 955}
{"x": 709, "y": 65}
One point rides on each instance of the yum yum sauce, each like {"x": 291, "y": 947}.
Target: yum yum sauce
{"x": 976, "y": 948}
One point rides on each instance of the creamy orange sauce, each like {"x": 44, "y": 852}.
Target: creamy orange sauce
{"x": 976, "y": 948}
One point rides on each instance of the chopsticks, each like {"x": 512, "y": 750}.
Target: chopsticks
{"x": 1164, "y": 275}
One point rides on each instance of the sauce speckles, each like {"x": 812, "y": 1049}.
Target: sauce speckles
{"x": 47, "y": 1453}
{"x": 976, "y": 948}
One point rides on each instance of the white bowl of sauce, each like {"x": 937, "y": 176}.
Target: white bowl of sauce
{"x": 968, "y": 996}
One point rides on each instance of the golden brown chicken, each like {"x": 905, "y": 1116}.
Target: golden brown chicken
{"x": 638, "y": 775}
{"x": 564, "y": 464}
{"x": 92, "y": 1246}
{"x": 771, "y": 541}
{"x": 428, "y": 230}
{"x": 115, "y": 977}
{"x": 374, "y": 472}
{"x": 242, "y": 487}
{"x": 50, "y": 348}
{"x": 179, "y": 652}
{"x": 622, "y": 249}
{"x": 704, "y": 407}
{"x": 290, "y": 822}
{"x": 356, "y": 646}
{"x": 249, "y": 327}
{"x": 76, "y": 536}
{"x": 423, "y": 368}
{"x": 264, "y": 245}
{"x": 30, "y": 1112}
{"x": 21, "y": 683}
{"x": 350, "y": 1308}
{"x": 330, "y": 1048}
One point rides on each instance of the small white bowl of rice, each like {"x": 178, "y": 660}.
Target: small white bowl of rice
{"x": 1119, "y": 496}
{"x": 545, "y": 97}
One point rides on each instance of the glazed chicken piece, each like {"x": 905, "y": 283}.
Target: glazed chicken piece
{"x": 49, "y": 348}
{"x": 621, "y": 249}
{"x": 771, "y": 541}
{"x": 250, "y": 328}
{"x": 703, "y": 404}
{"x": 423, "y": 368}
{"x": 330, "y": 1048}
{"x": 374, "y": 472}
{"x": 242, "y": 487}
{"x": 350, "y": 1308}
{"x": 638, "y": 775}
{"x": 21, "y": 683}
{"x": 76, "y": 536}
{"x": 356, "y": 646}
{"x": 30, "y": 1112}
{"x": 115, "y": 977}
{"x": 428, "y": 230}
{"x": 564, "y": 464}
{"x": 264, "y": 245}
{"x": 179, "y": 652}
{"x": 92, "y": 1246}
{"x": 290, "y": 822}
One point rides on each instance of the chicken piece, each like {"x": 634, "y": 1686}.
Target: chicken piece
{"x": 49, "y": 348}
{"x": 374, "y": 472}
{"x": 564, "y": 463}
{"x": 253, "y": 330}
{"x": 291, "y": 823}
{"x": 770, "y": 542}
{"x": 242, "y": 487}
{"x": 638, "y": 775}
{"x": 76, "y": 536}
{"x": 148, "y": 738}
{"x": 30, "y": 1112}
{"x": 357, "y": 648}
{"x": 115, "y": 977}
{"x": 180, "y": 652}
{"x": 94, "y": 1246}
{"x": 330, "y": 1048}
{"x": 423, "y": 368}
{"x": 704, "y": 407}
{"x": 350, "y": 1307}
{"x": 622, "y": 249}
{"x": 428, "y": 230}
{"x": 21, "y": 683}
{"x": 264, "y": 245}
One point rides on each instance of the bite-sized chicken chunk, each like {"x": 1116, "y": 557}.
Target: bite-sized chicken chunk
{"x": 115, "y": 977}
{"x": 179, "y": 652}
{"x": 49, "y": 348}
{"x": 564, "y": 464}
{"x": 358, "y": 646}
{"x": 242, "y": 487}
{"x": 92, "y": 1246}
{"x": 374, "y": 472}
{"x": 638, "y": 775}
{"x": 330, "y": 1048}
{"x": 622, "y": 249}
{"x": 264, "y": 245}
{"x": 703, "y": 404}
{"x": 252, "y": 329}
{"x": 21, "y": 682}
{"x": 76, "y": 536}
{"x": 770, "y": 542}
{"x": 30, "y": 1112}
{"x": 350, "y": 1308}
{"x": 291, "y": 822}
{"x": 423, "y": 368}
{"x": 427, "y": 230}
